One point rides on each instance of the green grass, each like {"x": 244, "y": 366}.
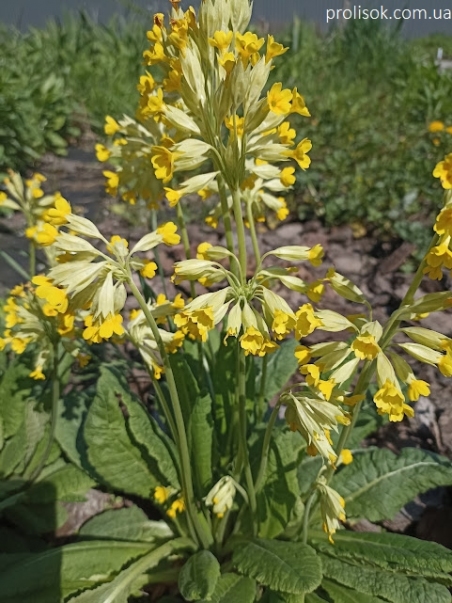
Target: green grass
{"x": 372, "y": 95}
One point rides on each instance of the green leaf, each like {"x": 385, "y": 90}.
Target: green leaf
{"x": 379, "y": 483}
{"x": 66, "y": 483}
{"x": 281, "y": 491}
{"x": 368, "y": 422}
{"x": 130, "y": 523}
{"x": 15, "y": 388}
{"x": 199, "y": 576}
{"x": 232, "y": 588}
{"x": 200, "y": 441}
{"x": 290, "y": 567}
{"x": 119, "y": 590}
{"x": 190, "y": 389}
{"x": 116, "y": 460}
{"x": 73, "y": 411}
{"x": 281, "y": 365}
{"x": 153, "y": 442}
{"x": 392, "y": 552}
{"x": 307, "y": 472}
{"x": 314, "y": 598}
{"x": 341, "y": 594}
{"x": 55, "y": 574}
{"x": 388, "y": 585}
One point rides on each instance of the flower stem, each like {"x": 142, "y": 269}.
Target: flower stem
{"x": 237, "y": 206}
{"x": 56, "y": 387}
{"x": 202, "y": 531}
{"x": 243, "y": 440}
{"x": 252, "y": 226}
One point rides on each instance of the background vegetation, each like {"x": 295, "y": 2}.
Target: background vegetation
{"x": 372, "y": 95}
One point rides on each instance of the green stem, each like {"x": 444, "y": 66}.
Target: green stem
{"x": 266, "y": 448}
{"x": 241, "y": 237}
{"x": 254, "y": 239}
{"x": 157, "y": 254}
{"x": 243, "y": 440}
{"x": 307, "y": 513}
{"x": 202, "y": 531}
{"x": 164, "y": 404}
{"x": 53, "y": 416}
{"x": 226, "y": 214}
{"x": 394, "y": 321}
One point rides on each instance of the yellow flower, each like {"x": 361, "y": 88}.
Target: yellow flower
{"x": 302, "y": 354}
{"x": 111, "y": 126}
{"x": 287, "y": 177}
{"x": 172, "y": 196}
{"x": 37, "y": 373}
{"x": 390, "y": 400}
{"x": 286, "y": 133}
{"x": 178, "y": 506}
{"x": 282, "y": 212}
{"x": 306, "y": 321}
{"x": 315, "y": 291}
{"x": 311, "y": 373}
{"x": 112, "y": 182}
{"x": 251, "y": 341}
{"x": 443, "y": 171}
{"x": 102, "y": 153}
{"x": 95, "y": 331}
{"x": 202, "y": 248}
{"x": 196, "y": 323}
{"x": 155, "y": 55}
{"x": 417, "y": 388}
{"x": 365, "y": 347}
{"x": 227, "y": 61}
{"x": 239, "y": 124}
{"x": 300, "y": 153}
{"x": 54, "y": 296}
{"x": 155, "y": 103}
{"x": 332, "y": 507}
{"x": 221, "y": 40}
{"x": 282, "y": 324}
{"x": 247, "y": 45}
{"x": 315, "y": 255}
{"x": 274, "y": 49}
{"x": 163, "y": 162}
{"x": 43, "y": 234}
{"x": 346, "y": 456}
{"x": 146, "y": 85}
{"x": 443, "y": 224}
{"x": 161, "y": 494}
{"x": 445, "y": 365}
{"x": 149, "y": 269}
{"x": 279, "y": 100}
{"x": 168, "y": 233}
{"x": 436, "y": 126}
{"x": 58, "y": 215}
{"x": 298, "y": 104}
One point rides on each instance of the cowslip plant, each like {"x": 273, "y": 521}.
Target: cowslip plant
{"x": 255, "y": 472}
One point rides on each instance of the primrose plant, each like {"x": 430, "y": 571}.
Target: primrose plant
{"x": 251, "y": 452}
